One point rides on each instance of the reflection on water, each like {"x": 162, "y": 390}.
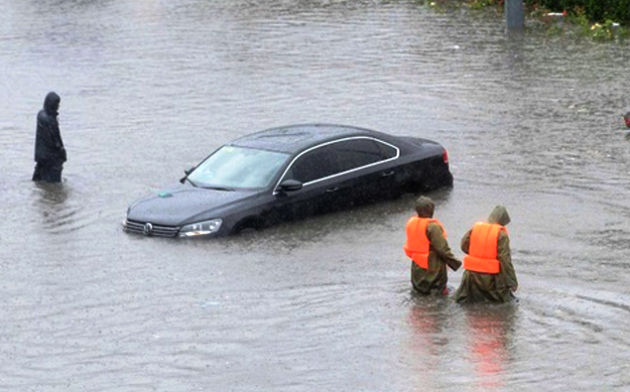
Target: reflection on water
{"x": 431, "y": 342}
{"x": 490, "y": 329}
{"x": 467, "y": 347}
{"x": 51, "y": 195}
{"x": 428, "y": 319}
{"x": 51, "y": 204}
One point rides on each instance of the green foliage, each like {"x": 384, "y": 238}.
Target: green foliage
{"x": 594, "y": 10}
{"x": 555, "y": 31}
{"x": 602, "y": 32}
{"x": 481, "y": 4}
{"x": 600, "y": 20}
{"x": 624, "y": 33}
{"x": 579, "y": 18}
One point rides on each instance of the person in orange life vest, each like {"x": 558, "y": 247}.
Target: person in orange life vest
{"x": 489, "y": 275}
{"x": 428, "y": 248}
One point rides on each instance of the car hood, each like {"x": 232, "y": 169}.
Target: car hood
{"x": 176, "y": 207}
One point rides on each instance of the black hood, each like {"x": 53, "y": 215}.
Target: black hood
{"x": 184, "y": 205}
{"x": 51, "y": 103}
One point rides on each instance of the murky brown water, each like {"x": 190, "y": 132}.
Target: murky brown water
{"x": 150, "y": 87}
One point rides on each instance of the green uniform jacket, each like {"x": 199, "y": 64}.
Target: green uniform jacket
{"x": 434, "y": 279}
{"x": 479, "y": 287}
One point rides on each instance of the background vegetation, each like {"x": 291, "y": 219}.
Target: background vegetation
{"x": 601, "y": 20}
{"x": 594, "y": 10}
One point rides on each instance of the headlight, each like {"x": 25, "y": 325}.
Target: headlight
{"x": 201, "y": 228}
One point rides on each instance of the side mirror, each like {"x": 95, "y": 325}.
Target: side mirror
{"x": 290, "y": 185}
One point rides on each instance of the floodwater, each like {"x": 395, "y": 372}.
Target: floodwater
{"x": 150, "y": 87}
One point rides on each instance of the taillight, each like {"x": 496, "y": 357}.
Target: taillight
{"x": 445, "y": 156}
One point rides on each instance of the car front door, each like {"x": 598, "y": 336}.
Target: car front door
{"x": 316, "y": 169}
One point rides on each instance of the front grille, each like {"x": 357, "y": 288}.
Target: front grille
{"x": 156, "y": 230}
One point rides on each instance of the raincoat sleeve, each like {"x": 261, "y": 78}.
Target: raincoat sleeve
{"x": 439, "y": 244}
{"x": 505, "y": 259}
{"x": 465, "y": 244}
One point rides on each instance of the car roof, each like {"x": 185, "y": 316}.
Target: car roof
{"x": 294, "y": 138}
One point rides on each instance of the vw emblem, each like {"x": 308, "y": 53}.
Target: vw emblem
{"x": 148, "y": 228}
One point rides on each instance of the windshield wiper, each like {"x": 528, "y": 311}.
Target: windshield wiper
{"x": 218, "y": 188}
{"x": 192, "y": 183}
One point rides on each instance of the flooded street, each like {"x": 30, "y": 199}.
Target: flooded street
{"x": 150, "y": 87}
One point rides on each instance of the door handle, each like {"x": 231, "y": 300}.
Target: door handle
{"x": 331, "y": 190}
{"x": 387, "y": 174}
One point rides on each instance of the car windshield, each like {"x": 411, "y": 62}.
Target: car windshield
{"x": 238, "y": 167}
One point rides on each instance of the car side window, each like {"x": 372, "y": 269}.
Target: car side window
{"x": 387, "y": 151}
{"x": 318, "y": 163}
{"x": 357, "y": 152}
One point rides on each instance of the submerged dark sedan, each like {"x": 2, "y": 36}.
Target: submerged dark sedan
{"x": 289, "y": 173}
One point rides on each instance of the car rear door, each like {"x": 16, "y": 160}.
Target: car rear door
{"x": 365, "y": 175}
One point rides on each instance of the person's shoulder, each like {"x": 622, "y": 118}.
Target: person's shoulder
{"x": 42, "y": 114}
{"x": 435, "y": 225}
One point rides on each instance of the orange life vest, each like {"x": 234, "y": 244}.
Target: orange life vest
{"x": 482, "y": 253}
{"x": 417, "y": 245}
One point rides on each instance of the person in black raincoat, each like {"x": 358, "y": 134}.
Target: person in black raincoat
{"x": 50, "y": 153}
{"x": 486, "y": 287}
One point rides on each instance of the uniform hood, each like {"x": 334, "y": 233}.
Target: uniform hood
{"x": 499, "y": 216}
{"x": 425, "y": 207}
{"x": 51, "y": 103}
